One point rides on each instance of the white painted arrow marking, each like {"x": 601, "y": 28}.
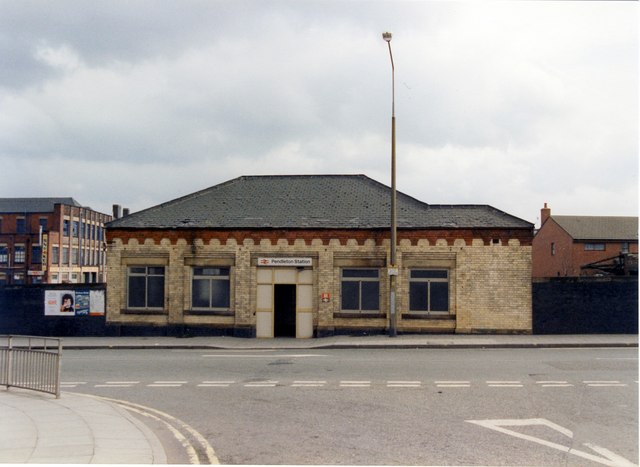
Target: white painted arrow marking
{"x": 609, "y": 458}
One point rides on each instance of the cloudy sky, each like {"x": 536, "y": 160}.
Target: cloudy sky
{"x": 511, "y": 104}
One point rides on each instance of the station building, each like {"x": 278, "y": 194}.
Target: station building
{"x": 306, "y": 256}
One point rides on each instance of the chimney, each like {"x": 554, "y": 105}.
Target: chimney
{"x": 125, "y": 212}
{"x": 545, "y": 213}
{"x": 116, "y": 211}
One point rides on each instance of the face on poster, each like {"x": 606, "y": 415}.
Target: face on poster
{"x": 60, "y": 303}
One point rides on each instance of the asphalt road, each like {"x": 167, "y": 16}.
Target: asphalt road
{"x": 576, "y": 407}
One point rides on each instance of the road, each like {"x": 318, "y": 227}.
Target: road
{"x": 576, "y": 407}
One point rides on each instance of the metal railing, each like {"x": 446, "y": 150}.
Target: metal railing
{"x": 31, "y": 362}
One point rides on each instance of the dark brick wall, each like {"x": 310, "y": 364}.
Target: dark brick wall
{"x": 585, "y": 305}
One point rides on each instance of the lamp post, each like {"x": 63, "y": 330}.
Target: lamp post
{"x": 393, "y": 267}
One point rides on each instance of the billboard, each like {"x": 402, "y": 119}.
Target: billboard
{"x": 81, "y": 302}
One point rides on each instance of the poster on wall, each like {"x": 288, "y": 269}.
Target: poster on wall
{"x": 96, "y": 303}
{"x": 83, "y": 302}
{"x": 59, "y": 303}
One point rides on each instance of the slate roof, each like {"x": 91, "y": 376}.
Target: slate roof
{"x": 599, "y": 227}
{"x": 27, "y": 205}
{"x": 309, "y": 202}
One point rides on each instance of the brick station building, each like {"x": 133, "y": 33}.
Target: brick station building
{"x": 305, "y": 256}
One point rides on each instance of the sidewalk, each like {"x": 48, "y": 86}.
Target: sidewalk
{"x": 82, "y": 429}
{"x": 414, "y": 341}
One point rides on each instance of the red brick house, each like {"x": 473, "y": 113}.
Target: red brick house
{"x": 570, "y": 245}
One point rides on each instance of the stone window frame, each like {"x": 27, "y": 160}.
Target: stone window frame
{"x": 411, "y": 261}
{"x": 341, "y": 262}
{"x": 147, "y": 261}
{"x": 198, "y": 261}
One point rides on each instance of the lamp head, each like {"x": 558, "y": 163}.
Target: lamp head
{"x": 386, "y": 36}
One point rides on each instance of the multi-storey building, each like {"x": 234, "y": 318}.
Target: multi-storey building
{"x": 305, "y": 256}
{"x": 51, "y": 240}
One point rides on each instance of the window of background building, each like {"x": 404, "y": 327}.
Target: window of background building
{"x": 65, "y": 227}
{"x": 55, "y": 254}
{"x": 74, "y": 256}
{"x": 19, "y": 254}
{"x": 65, "y": 255}
{"x": 76, "y": 228}
{"x": 429, "y": 290}
{"x": 4, "y": 254}
{"x": 624, "y": 247}
{"x": 43, "y": 223}
{"x": 360, "y": 290}
{"x": 594, "y": 247}
{"x": 36, "y": 254}
{"x": 145, "y": 287}
{"x": 210, "y": 288}
{"x": 553, "y": 249}
{"x": 21, "y": 225}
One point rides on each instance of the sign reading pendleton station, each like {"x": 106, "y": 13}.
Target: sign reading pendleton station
{"x": 296, "y": 262}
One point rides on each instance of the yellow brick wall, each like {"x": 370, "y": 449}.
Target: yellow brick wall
{"x": 490, "y": 285}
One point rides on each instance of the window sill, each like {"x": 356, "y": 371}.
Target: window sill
{"x": 134, "y": 311}
{"x": 210, "y": 312}
{"x": 372, "y": 315}
{"x": 430, "y": 316}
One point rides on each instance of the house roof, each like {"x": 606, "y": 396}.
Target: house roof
{"x": 309, "y": 202}
{"x": 599, "y": 227}
{"x": 27, "y": 205}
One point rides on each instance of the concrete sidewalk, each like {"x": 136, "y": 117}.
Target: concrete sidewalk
{"x": 82, "y": 429}
{"x": 415, "y": 341}
{"x": 36, "y": 428}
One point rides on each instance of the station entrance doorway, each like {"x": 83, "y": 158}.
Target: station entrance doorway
{"x": 284, "y": 307}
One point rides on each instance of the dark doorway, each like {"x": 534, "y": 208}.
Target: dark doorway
{"x": 284, "y": 305}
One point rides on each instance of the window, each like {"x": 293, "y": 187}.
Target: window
{"x": 4, "y": 254}
{"x": 76, "y": 228}
{"x": 74, "y": 256}
{"x": 624, "y": 247}
{"x": 65, "y": 227}
{"x": 21, "y": 225}
{"x": 55, "y": 254}
{"x": 594, "y": 246}
{"x": 145, "y": 287}
{"x": 429, "y": 290}
{"x": 65, "y": 255}
{"x": 553, "y": 249}
{"x": 210, "y": 288}
{"x": 19, "y": 254}
{"x": 36, "y": 254}
{"x": 43, "y": 223}
{"x": 360, "y": 290}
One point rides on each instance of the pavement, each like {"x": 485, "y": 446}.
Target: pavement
{"x": 84, "y": 429}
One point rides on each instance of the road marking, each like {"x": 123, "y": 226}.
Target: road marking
{"x": 261, "y": 384}
{"x": 601, "y": 384}
{"x": 113, "y": 385}
{"x": 167, "y": 384}
{"x": 215, "y": 384}
{"x": 203, "y": 450}
{"x": 554, "y": 384}
{"x": 453, "y": 384}
{"x": 609, "y": 458}
{"x": 355, "y": 384}
{"x": 308, "y": 384}
{"x": 404, "y": 384}
{"x": 504, "y": 384}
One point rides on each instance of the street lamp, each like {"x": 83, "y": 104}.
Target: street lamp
{"x": 393, "y": 267}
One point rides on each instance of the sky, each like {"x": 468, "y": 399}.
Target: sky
{"x": 136, "y": 102}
